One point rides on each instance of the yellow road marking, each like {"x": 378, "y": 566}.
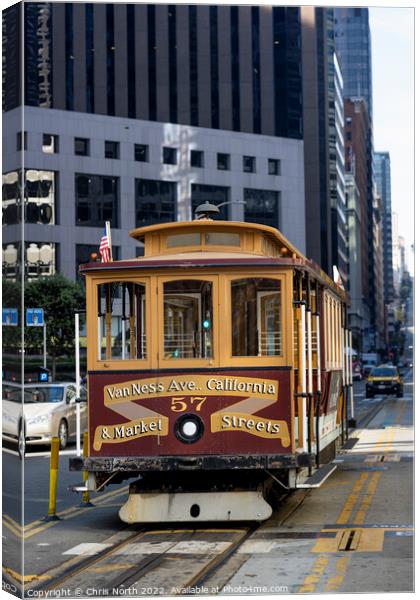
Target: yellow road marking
{"x": 367, "y": 499}
{"x": 333, "y": 584}
{"x": 76, "y": 509}
{"x": 352, "y": 499}
{"x": 23, "y": 578}
{"x": 71, "y": 512}
{"x": 13, "y": 529}
{"x": 310, "y": 582}
{"x": 366, "y": 540}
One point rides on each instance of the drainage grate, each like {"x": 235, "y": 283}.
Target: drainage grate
{"x": 349, "y": 540}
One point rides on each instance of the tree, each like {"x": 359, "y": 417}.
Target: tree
{"x": 59, "y": 298}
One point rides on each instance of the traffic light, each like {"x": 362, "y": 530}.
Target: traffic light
{"x": 43, "y": 375}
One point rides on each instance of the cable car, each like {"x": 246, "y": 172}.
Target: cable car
{"x": 217, "y": 375}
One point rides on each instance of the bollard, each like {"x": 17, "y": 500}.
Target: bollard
{"x": 52, "y": 505}
{"x": 85, "y": 495}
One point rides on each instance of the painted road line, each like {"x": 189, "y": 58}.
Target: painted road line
{"x": 334, "y": 583}
{"x": 311, "y": 581}
{"x": 38, "y": 526}
{"x": 23, "y": 578}
{"x": 17, "y": 531}
{"x": 367, "y": 498}
{"x": 87, "y": 549}
{"x": 352, "y": 499}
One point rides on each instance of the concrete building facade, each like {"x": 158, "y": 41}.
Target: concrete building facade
{"x": 383, "y": 182}
{"x": 137, "y": 113}
{"x": 323, "y": 117}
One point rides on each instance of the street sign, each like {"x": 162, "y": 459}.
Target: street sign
{"x": 43, "y": 375}
{"x": 10, "y": 316}
{"x": 35, "y": 317}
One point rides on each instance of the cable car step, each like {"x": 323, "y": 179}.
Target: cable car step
{"x": 351, "y": 442}
{"x": 318, "y": 478}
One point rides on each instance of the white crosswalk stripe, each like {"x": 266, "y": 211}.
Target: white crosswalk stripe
{"x": 87, "y": 549}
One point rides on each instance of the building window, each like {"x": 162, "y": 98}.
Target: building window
{"x": 348, "y": 136}
{"x": 81, "y": 146}
{"x": 235, "y": 68}
{"x": 215, "y": 194}
{"x": 110, "y": 59}
{"x": 273, "y": 166}
{"x": 90, "y": 63}
{"x": 193, "y": 65}
{"x": 141, "y": 153}
{"x": 256, "y": 70}
{"x": 49, "y": 143}
{"x": 19, "y": 141}
{"x": 262, "y": 206}
{"x": 40, "y": 260}
{"x": 152, "y": 68}
{"x": 214, "y": 67}
{"x": 172, "y": 66}
{"x": 169, "y": 156}
{"x": 39, "y": 206}
{"x": 249, "y": 164}
{"x": 223, "y": 161}
{"x": 96, "y": 200}
{"x": 131, "y": 61}
{"x": 197, "y": 158}
{"x": 112, "y": 149}
{"x": 155, "y": 202}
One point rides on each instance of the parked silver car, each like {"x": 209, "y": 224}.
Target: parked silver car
{"x": 48, "y": 410}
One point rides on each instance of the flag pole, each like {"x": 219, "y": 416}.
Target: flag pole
{"x": 108, "y": 233}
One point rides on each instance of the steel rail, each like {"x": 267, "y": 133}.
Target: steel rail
{"x": 86, "y": 562}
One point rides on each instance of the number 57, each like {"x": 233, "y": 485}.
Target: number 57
{"x": 180, "y": 405}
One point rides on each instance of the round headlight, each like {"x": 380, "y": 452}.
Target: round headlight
{"x": 189, "y": 428}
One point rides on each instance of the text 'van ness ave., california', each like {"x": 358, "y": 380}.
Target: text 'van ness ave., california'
{"x": 226, "y": 386}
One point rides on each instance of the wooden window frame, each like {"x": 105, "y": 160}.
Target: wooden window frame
{"x": 286, "y": 359}
{"x": 176, "y": 363}
{"x": 94, "y": 363}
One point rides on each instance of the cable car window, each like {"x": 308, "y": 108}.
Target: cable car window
{"x": 222, "y": 239}
{"x": 121, "y": 321}
{"x": 188, "y": 319}
{"x": 256, "y": 317}
{"x": 183, "y": 239}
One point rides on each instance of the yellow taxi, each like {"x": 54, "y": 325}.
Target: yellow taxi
{"x": 384, "y": 379}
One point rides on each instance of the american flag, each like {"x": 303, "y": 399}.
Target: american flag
{"x": 105, "y": 245}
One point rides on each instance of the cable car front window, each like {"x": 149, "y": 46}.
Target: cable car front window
{"x": 121, "y": 321}
{"x": 256, "y": 317}
{"x": 188, "y": 319}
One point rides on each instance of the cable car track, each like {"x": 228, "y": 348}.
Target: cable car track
{"x": 163, "y": 565}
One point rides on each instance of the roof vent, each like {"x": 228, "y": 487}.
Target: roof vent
{"x": 206, "y": 211}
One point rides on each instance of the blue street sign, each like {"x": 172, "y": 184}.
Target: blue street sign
{"x": 10, "y": 316}
{"x": 35, "y": 317}
{"x": 43, "y": 375}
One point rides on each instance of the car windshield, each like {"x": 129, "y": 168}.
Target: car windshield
{"x": 384, "y": 372}
{"x": 34, "y": 394}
